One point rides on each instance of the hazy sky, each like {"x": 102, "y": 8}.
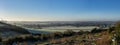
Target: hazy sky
{"x": 60, "y": 10}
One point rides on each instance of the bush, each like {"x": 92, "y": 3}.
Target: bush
{"x": 80, "y": 32}
{"x": 44, "y": 37}
{"x": 111, "y": 29}
{"x": 58, "y": 34}
{"x": 69, "y": 33}
{"x": 0, "y": 39}
{"x": 94, "y": 30}
{"x": 117, "y": 30}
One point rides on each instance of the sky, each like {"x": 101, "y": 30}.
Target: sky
{"x": 60, "y": 10}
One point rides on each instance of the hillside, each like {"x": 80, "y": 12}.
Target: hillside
{"x": 7, "y": 30}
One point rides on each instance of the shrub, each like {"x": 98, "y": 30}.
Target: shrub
{"x": 111, "y": 29}
{"x": 117, "y": 30}
{"x": 69, "y": 33}
{"x": 0, "y": 39}
{"x": 80, "y": 32}
{"x": 58, "y": 34}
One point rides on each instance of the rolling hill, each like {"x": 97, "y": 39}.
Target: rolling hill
{"x": 8, "y": 30}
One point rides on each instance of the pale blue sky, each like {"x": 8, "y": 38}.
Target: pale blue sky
{"x": 60, "y": 10}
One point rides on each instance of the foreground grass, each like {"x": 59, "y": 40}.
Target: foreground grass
{"x": 103, "y": 38}
{"x": 98, "y": 37}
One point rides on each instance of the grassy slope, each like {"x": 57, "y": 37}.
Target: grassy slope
{"x": 103, "y": 38}
{"x": 9, "y": 27}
